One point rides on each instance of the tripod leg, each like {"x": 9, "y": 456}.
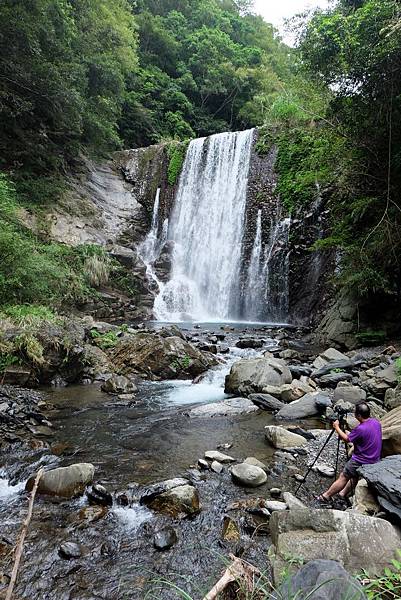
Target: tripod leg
{"x": 315, "y": 461}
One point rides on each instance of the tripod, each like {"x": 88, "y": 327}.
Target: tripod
{"x": 320, "y": 452}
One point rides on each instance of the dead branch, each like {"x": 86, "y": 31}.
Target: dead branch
{"x": 238, "y": 571}
{"x": 20, "y": 546}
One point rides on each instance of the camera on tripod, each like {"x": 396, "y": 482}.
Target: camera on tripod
{"x": 339, "y": 414}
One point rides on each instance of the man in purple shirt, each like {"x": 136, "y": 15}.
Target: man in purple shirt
{"x": 367, "y": 441}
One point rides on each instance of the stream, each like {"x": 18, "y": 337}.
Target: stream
{"x": 148, "y": 441}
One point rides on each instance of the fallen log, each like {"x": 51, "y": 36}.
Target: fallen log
{"x": 238, "y": 571}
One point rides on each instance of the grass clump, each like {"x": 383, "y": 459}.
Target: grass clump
{"x": 104, "y": 340}
{"x": 388, "y": 585}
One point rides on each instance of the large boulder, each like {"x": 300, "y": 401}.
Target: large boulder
{"x": 384, "y": 478}
{"x": 152, "y": 355}
{"x": 281, "y": 438}
{"x": 364, "y": 500}
{"x": 391, "y": 428}
{"x": 248, "y": 475}
{"x": 255, "y": 374}
{"x": 175, "y": 501}
{"x": 320, "y": 580}
{"x": 354, "y": 540}
{"x": 392, "y": 398}
{"x": 118, "y": 384}
{"x": 349, "y": 393}
{"x": 328, "y": 356}
{"x": 310, "y": 405}
{"x": 266, "y": 402}
{"x": 66, "y": 482}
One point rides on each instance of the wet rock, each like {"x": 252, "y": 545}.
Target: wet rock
{"x": 98, "y": 494}
{"x": 281, "y": 438}
{"x": 67, "y": 482}
{"x": 219, "y": 456}
{"x": 347, "y": 364}
{"x": 165, "y": 538}
{"x": 349, "y": 393}
{"x": 226, "y": 446}
{"x": 174, "y": 497}
{"x": 70, "y": 550}
{"x": 203, "y": 464}
{"x": 231, "y": 532}
{"x": 328, "y": 356}
{"x": 364, "y": 500}
{"x": 298, "y": 371}
{"x": 309, "y": 405}
{"x": 16, "y": 375}
{"x": 250, "y": 343}
{"x": 233, "y": 406}
{"x": 118, "y": 384}
{"x": 356, "y": 541}
{"x": 216, "y": 467}
{"x": 251, "y": 460}
{"x": 152, "y": 355}
{"x": 275, "y": 492}
{"x": 320, "y": 580}
{"x": 384, "y": 478}
{"x": 248, "y": 475}
{"x": 256, "y": 374}
{"x": 266, "y": 402}
{"x": 90, "y": 514}
{"x": 391, "y": 431}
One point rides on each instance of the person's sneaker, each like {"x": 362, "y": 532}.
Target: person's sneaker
{"x": 340, "y": 503}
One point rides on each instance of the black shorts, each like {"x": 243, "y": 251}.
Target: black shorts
{"x": 350, "y": 469}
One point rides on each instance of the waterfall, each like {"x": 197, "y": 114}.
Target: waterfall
{"x": 255, "y": 285}
{"x": 206, "y": 227}
{"x": 148, "y": 250}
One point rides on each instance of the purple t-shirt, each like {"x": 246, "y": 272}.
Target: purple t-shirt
{"x": 367, "y": 440}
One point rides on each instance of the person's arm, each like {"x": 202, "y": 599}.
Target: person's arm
{"x": 340, "y": 432}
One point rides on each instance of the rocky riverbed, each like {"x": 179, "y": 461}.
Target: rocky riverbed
{"x": 223, "y": 464}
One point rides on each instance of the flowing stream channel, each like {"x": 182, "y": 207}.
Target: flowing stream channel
{"x": 149, "y": 441}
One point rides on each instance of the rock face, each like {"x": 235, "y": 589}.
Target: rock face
{"x": 281, "y": 438}
{"x": 384, "y": 478}
{"x": 320, "y": 580}
{"x": 339, "y": 323}
{"x": 391, "y": 429}
{"x": 174, "y": 497}
{"x": 392, "y": 398}
{"x": 152, "y": 355}
{"x": 309, "y": 405}
{"x": 248, "y": 475}
{"x": 234, "y": 406}
{"x": 255, "y": 374}
{"x": 356, "y": 541}
{"x": 66, "y": 482}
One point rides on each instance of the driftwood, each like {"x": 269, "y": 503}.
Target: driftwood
{"x": 239, "y": 571}
{"x": 20, "y": 546}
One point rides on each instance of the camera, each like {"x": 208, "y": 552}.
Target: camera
{"x": 339, "y": 414}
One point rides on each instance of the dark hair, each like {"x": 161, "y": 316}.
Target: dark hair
{"x": 362, "y": 410}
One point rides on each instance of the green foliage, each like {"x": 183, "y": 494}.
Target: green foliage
{"x": 176, "y": 153}
{"x": 388, "y": 585}
{"x": 398, "y": 367}
{"x": 104, "y": 340}
{"x": 371, "y": 338}
{"x": 24, "y": 314}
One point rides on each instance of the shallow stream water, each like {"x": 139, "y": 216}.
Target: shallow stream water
{"x": 149, "y": 441}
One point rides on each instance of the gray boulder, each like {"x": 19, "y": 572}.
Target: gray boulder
{"x": 251, "y": 460}
{"x": 333, "y": 379}
{"x": 174, "y": 497}
{"x": 349, "y": 393}
{"x": 391, "y": 430}
{"x": 219, "y": 456}
{"x": 282, "y": 439}
{"x": 384, "y": 478}
{"x": 256, "y": 374}
{"x": 392, "y": 398}
{"x": 328, "y": 356}
{"x": 356, "y": 541}
{"x": 66, "y": 482}
{"x": 320, "y": 580}
{"x": 248, "y": 475}
{"x": 118, "y": 384}
{"x": 266, "y": 402}
{"x": 309, "y": 405}
{"x": 226, "y": 408}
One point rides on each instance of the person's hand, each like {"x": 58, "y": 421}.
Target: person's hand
{"x": 336, "y": 424}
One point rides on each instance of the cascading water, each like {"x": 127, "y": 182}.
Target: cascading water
{"x": 206, "y": 227}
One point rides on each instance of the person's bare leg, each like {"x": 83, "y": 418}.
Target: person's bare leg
{"x": 348, "y": 488}
{"x": 337, "y": 486}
